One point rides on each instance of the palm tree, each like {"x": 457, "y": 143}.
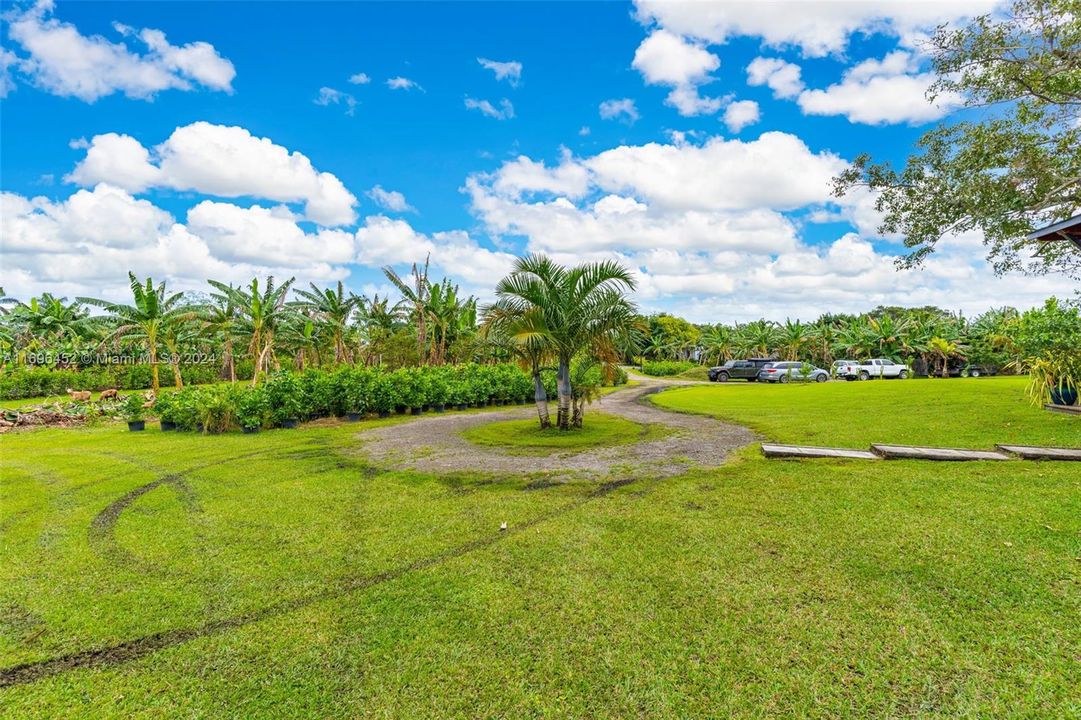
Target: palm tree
{"x": 944, "y": 349}
{"x": 47, "y": 321}
{"x": 219, "y": 321}
{"x": 300, "y": 335}
{"x": 655, "y": 347}
{"x": 885, "y": 333}
{"x": 823, "y": 337}
{"x": 792, "y": 337}
{"x": 261, "y": 313}
{"x": 580, "y": 308}
{"x": 855, "y": 338}
{"x": 144, "y": 322}
{"x": 758, "y": 337}
{"x": 332, "y": 310}
{"x": 524, "y": 334}
{"x": 416, "y": 295}
{"x": 175, "y": 333}
{"x": 718, "y": 344}
{"x": 443, "y": 309}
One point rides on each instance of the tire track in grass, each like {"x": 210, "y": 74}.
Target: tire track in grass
{"x": 102, "y": 531}
{"x": 131, "y": 650}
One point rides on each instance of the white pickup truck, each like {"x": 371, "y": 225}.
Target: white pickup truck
{"x": 871, "y": 369}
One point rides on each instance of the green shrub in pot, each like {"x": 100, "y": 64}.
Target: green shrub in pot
{"x": 1049, "y": 343}
{"x": 251, "y": 409}
{"x": 217, "y": 407}
{"x": 134, "y": 412}
{"x": 166, "y": 407}
{"x": 383, "y": 392}
{"x": 284, "y": 397}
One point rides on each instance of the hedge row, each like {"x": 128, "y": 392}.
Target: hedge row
{"x": 29, "y": 382}
{"x": 288, "y": 397}
{"x": 662, "y": 368}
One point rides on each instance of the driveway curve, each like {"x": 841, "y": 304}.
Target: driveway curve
{"x": 434, "y": 443}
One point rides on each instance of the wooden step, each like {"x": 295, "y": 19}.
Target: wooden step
{"x": 809, "y": 451}
{"x": 912, "y": 452}
{"x": 1032, "y": 452}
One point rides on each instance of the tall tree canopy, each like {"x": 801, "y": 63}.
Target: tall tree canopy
{"x": 1012, "y": 163}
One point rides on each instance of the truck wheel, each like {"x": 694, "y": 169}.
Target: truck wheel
{"x": 821, "y": 378}
{"x": 722, "y": 377}
{"x": 864, "y": 375}
{"x": 973, "y": 373}
{"x": 903, "y": 375}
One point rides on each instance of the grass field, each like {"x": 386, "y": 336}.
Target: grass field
{"x": 279, "y": 575}
{"x": 525, "y": 436}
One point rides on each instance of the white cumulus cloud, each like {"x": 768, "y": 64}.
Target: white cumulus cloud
{"x": 876, "y": 92}
{"x": 816, "y": 28}
{"x": 740, "y": 114}
{"x": 226, "y": 161}
{"x": 619, "y": 109}
{"x": 665, "y": 58}
{"x": 63, "y": 61}
{"x": 782, "y": 77}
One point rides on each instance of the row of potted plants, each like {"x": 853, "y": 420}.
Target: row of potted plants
{"x": 288, "y": 398}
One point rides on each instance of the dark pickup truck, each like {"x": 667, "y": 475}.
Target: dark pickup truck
{"x": 738, "y": 370}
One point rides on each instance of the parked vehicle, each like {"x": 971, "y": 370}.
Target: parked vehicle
{"x": 961, "y": 368}
{"x": 786, "y": 371}
{"x": 835, "y": 368}
{"x": 738, "y": 370}
{"x": 874, "y": 369}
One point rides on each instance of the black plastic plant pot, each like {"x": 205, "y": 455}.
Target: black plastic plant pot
{"x": 1063, "y": 396}
{"x": 384, "y": 413}
{"x": 417, "y": 411}
{"x": 199, "y": 427}
{"x": 402, "y": 409}
{"x": 353, "y": 416}
{"x": 426, "y": 408}
{"x": 136, "y": 425}
{"x": 462, "y": 406}
{"x": 250, "y": 430}
{"x": 166, "y": 426}
{"x": 440, "y": 408}
{"x": 290, "y": 423}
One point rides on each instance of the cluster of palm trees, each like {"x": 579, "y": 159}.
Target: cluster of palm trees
{"x": 931, "y": 335}
{"x": 570, "y": 318}
{"x": 265, "y": 323}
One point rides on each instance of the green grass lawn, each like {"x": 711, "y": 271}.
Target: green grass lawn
{"x": 959, "y": 412}
{"x": 278, "y": 575}
{"x": 525, "y": 436}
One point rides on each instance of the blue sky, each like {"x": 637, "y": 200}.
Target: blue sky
{"x": 693, "y": 142}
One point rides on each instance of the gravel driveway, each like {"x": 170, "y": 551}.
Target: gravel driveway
{"x": 433, "y": 443}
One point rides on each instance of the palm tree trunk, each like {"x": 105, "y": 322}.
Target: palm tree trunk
{"x": 540, "y": 397}
{"x": 259, "y": 365}
{"x": 154, "y": 368}
{"x": 563, "y": 384}
{"x": 228, "y": 366}
{"x": 175, "y": 363}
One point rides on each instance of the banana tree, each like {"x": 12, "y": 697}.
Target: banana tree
{"x": 153, "y": 310}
